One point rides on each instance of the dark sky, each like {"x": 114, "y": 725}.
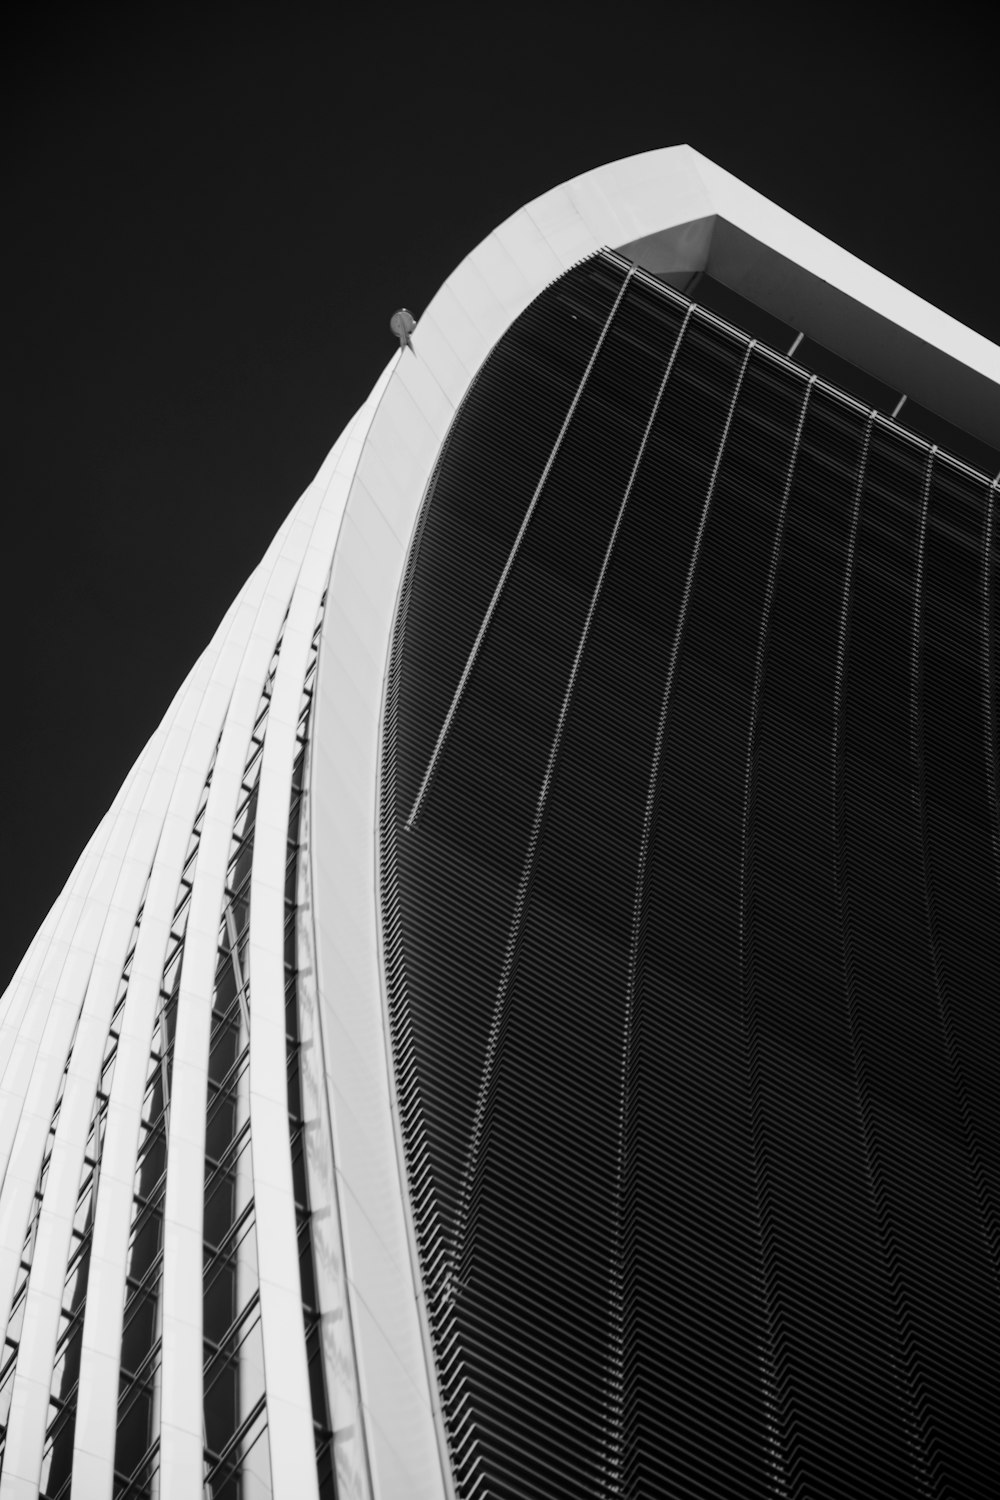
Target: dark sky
{"x": 210, "y": 215}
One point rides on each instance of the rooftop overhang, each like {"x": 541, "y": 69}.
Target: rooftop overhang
{"x": 673, "y": 211}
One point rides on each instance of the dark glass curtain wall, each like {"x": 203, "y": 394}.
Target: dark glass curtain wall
{"x": 691, "y": 900}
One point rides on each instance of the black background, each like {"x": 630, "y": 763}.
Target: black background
{"x": 210, "y": 214}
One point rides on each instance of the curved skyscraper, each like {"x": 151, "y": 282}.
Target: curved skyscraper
{"x": 528, "y": 1024}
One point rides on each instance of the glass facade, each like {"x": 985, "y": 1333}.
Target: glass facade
{"x": 236, "y": 1446}
{"x": 297, "y": 1126}
{"x": 236, "y": 1449}
{"x": 57, "y": 1457}
{"x": 688, "y": 894}
{"x": 138, "y": 1428}
{"x": 15, "y": 1322}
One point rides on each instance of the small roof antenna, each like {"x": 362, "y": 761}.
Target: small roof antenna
{"x": 402, "y": 324}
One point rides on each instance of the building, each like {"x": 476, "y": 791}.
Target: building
{"x": 527, "y": 1024}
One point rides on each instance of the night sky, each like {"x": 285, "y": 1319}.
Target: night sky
{"x": 210, "y": 216}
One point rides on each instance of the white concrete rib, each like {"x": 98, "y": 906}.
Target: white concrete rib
{"x": 49, "y": 1016}
{"x": 30, "y": 1402}
{"x": 350, "y": 1458}
{"x": 94, "y": 1442}
{"x": 91, "y": 970}
{"x": 182, "y": 1443}
{"x": 138, "y": 826}
{"x": 58, "y": 927}
{"x": 33, "y": 989}
{"x": 209, "y": 687}
{"x": 289, "y": 1414}
{"x": 25, "y": 976}
{"x": 394, "y": 1380}
{"x": 290, "y": 1428}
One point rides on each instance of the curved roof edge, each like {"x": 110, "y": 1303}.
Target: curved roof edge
{"x": 672, "y": 210}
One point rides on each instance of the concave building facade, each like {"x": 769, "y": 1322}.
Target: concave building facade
{"x": 528, "y": 1024}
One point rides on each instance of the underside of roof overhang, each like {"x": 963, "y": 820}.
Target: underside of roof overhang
{"x": 833, "y": 299}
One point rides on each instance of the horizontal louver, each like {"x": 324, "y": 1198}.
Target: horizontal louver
{"x": 691, "y": 897}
